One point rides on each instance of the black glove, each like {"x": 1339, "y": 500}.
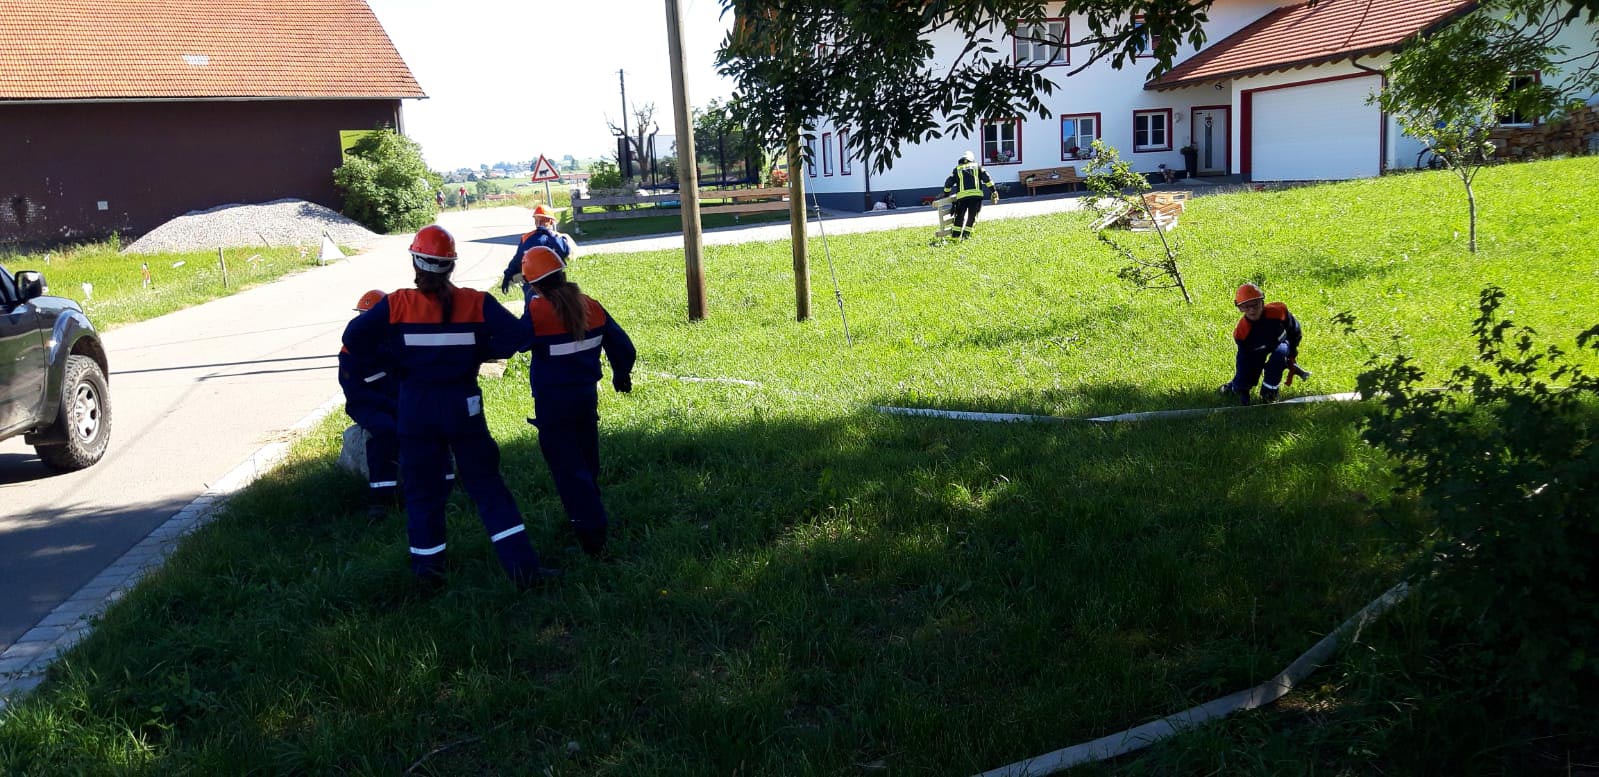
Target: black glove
{"x": 622, "y": 383}
{"x": 505, "y": 284}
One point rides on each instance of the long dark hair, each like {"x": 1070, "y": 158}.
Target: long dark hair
{"x": 567, "y": 299}
{"x": 437, "y": 286}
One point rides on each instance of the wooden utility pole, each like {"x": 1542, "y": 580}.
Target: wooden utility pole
{"x": 796, "y": 229}
{"x": 688, "y": 173}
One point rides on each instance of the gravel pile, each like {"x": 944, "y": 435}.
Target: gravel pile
{"x": 276, "y": 223}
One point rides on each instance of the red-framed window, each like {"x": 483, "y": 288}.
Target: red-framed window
{"x": 1152, "y": 130}
{"x": 1146, "y": 49}
{"x": 1042, "y": 44}
{"x": 1077, "y": 135}
{"x": 1515, "y": 118}
{"x": 810, "y": 156}
{"x": 1002, "y": 141}
{"x": 827, "y": 154}
{"x": 843, "y": 152}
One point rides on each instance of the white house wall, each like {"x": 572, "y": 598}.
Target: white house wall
{"x": 1113, "y": 94}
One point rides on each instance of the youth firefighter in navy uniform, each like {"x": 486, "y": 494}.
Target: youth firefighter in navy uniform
{"x": 543, "y": 234}
{"x": 967, "y": 182}
{"x": 569, "y": 331}
{"x": 438, "y": 335}
{"x": 371, "y": 398}
{"x": 1268, "y": 342}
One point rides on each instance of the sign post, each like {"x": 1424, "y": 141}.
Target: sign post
{"x": 544, "y": 171}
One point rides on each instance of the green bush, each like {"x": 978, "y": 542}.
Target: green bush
{"x": 1504, "y": 461}
{"x": 605, "y": 175}
{"x": 386, "y": 185}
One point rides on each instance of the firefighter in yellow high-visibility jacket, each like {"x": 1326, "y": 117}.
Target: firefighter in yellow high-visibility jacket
{"x": 967, "y": 182}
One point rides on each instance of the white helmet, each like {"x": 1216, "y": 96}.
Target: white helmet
{"x": 968, "y": 157}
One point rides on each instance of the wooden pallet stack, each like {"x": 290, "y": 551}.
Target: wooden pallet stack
{"x": 1164, "y": 208}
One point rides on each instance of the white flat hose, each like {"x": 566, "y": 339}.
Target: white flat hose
{"x": 1140, "y": 737}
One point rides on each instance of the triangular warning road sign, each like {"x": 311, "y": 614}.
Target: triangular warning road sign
{"x": 544, "y": 171}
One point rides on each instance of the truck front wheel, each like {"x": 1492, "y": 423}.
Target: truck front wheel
{"x": 84, "y": 419}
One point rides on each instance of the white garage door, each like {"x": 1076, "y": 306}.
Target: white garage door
{"x": 1316, "y": 132}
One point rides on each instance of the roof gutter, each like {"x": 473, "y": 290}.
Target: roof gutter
{"x": 93, "y": 100}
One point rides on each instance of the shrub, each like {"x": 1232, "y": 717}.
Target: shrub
{"x": 1507, "y": 467}
{"x": 385, "y": 183}
{"x": 604, "y": 175}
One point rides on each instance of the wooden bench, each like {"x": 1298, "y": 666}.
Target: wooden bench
{"x": 1049, "y": 176}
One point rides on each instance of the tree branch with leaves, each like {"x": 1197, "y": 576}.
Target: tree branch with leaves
{"x": 873, "y": 66}
{"x": 1119, "y": 194}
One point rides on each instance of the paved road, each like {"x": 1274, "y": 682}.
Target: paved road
{"x": 196, "y": 392}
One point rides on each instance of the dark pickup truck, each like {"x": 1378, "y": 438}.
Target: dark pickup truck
{"x": 52, "y": 374}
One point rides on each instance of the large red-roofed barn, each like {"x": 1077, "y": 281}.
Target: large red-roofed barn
{"x": 116, "y": 115}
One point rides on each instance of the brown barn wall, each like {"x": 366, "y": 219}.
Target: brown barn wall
{"x": 152, "y": 161}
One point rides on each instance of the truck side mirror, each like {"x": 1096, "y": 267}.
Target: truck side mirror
{"x": 30, "y": 284}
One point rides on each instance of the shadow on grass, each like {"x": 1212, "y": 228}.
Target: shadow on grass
{"x": 787, "y": 595}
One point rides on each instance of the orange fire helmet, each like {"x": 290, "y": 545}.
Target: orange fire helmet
{"x": 542, "y": 211}
{"x": 1248, "y": 292}
{"x": 433, "y": 249}
{"x": 540, "y": 262}
{"x": 369, "y": 299}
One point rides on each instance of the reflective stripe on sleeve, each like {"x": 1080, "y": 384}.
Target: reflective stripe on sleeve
{"x": 378, "y": 376}
{"x": 565, "y": 349}
{"x": 508, "y": 532}
{"x": 427, "y": 551}
{"x": 384, "y": 483}
{"x": 445, "y": 338}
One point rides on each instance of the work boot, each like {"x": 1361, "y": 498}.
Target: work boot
{"x": 1229, "y": 390}
{"x": 1268, "y": 395}
{"x": 376, "y": 512}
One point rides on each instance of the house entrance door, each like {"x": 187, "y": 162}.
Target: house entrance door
{"x": 1210, "y": 127}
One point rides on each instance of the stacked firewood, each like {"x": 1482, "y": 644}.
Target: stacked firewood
{"x": 1577, "y": 133}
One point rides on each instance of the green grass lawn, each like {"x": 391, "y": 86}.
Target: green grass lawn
{"x": 118, "y": 294}
{"x": 803, "y": 586}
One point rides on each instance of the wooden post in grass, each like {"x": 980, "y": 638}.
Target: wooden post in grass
{"x": 688, "y": 177}
{"x": 223, "y": 263}
{"x": 796, "y": 229}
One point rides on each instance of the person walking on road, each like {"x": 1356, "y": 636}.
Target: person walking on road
{"x": 569, "y": 330}
{"x": 1268, "y": 339}
{"x": 543, "y": 234}
{"x": 967, "y": 182}
{"x": 438, "y": 336}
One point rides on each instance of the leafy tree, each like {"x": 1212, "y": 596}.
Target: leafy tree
{"x": 870, "y": 65}
{"x": 386, "y": 185}
{"x": 1448, "y": 89}
{"x": 1505, "y": 461}
{"x": 1119, "y": 193}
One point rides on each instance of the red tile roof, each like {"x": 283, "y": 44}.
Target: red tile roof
{"x": 122, "y": 49}
{"x": 1310, "y": 34}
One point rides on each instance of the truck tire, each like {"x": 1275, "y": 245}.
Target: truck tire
{"x": 83, "y": 420}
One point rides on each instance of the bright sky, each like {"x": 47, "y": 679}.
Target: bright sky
{"x": 508, "y": 80}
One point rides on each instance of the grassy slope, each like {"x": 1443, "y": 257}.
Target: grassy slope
{"x": 119, "y": 295}
{"x": 804, "y": 587}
